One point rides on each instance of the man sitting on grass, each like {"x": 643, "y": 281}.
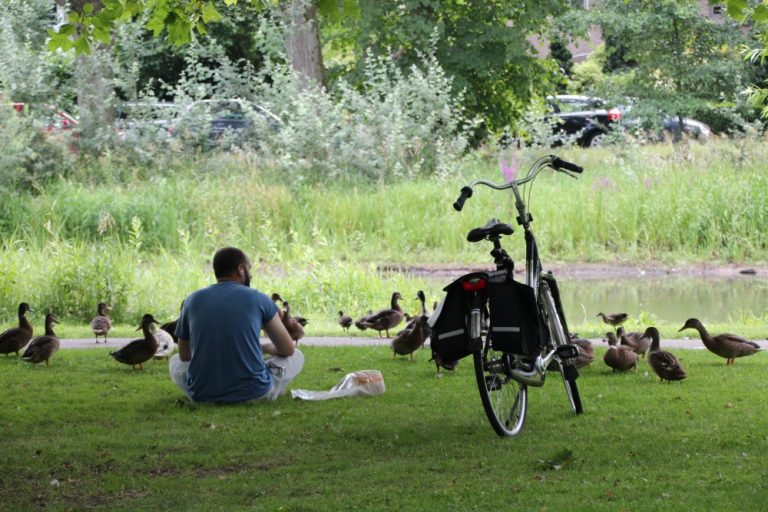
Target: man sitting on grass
{"x": 220, "y": 355}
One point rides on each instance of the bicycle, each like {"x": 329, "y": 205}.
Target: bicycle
{"x": 514, "y": 331}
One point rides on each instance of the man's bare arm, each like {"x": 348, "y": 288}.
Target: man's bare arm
{"x": 282, "y": 345}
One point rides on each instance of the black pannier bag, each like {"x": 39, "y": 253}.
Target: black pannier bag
{"x": 516, "y": 326}
{"x": 449, "y": 337}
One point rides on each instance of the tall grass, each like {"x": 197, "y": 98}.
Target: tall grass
{"x": 145, "y": 243}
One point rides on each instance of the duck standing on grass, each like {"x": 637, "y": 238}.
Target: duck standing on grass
{"x": 613, "y": 319}
{"x": 640, "y": 343}
{"x": 101, "y": 324}
{"x": 139, "y": 351}
{"x": 664, "y": 363}
{"x": 410, "y": 340}
{"x": 16, "y": 338}
{"x": 619, "y": 357}
{"x": 729, "y": 346}
{"x": 43, "y": 347}
{"x": 345, "y": 321}
{"x": 586, "y": 352}
{"x": 386, "y": 319}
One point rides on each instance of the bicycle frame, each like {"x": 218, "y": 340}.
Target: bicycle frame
{"x": 533, "y": 267}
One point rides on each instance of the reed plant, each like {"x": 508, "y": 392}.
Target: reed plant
{"x": 147, "y": 242}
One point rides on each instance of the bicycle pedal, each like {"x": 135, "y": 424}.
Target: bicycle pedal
{"x": 567, "y": 351}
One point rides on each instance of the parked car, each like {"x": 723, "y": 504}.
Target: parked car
{"x": 145, "y": 119}
{"x": 691, "y": 127}
{"x": 587, "y": 119}
{"x": 665, "y": 126}
{"x": 210, "y": 122}
{"x": 48, "y": 118}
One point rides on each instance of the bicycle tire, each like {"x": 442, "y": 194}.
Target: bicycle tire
{"x": 558, "y": 337}
{"x": 505, "y": 400}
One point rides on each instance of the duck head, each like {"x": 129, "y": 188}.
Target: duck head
{"x": 103, "y": 308}
{"x": 691, "y": 323}
{"x": 24, "y": 308}
{"x": 146, "y": 320}
{"x": 276, "y": 298}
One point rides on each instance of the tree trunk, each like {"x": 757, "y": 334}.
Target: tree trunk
{"x": 303, "y": 41}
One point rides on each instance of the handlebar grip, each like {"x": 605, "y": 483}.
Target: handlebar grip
{"x": 466, "y": 193}
{"x": 559, "y": 163}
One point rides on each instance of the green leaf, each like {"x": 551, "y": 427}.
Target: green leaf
{"x": 736, "y": 8}
{"x": 82, "y": 45}
{"x": 67, "y": 30}
{"x": 88, "y": 8}
{"x": 760, "y": 15}
{"x": 59, "y": 41}
{"x": 180, "y": 31}
{"x": 210, "y": 13}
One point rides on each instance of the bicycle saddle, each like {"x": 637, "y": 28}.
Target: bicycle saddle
{"x": 492, "y": 228}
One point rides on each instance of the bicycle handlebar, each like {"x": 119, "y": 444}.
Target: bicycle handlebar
{"x": 552, "y": 161}
{"x": 466, "y": 193}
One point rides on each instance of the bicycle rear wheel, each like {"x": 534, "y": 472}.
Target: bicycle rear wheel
{"x": 558, "y": 336}
{"x": 504, "y": 399}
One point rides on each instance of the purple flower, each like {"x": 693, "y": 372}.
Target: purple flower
{"x": 510, "y": 171}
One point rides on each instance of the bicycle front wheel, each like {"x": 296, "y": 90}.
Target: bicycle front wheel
{"x": 504, "y": 399}
{"x": 559, "y": 337}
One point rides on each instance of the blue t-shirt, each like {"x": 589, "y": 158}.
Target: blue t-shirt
{"x": 222, "y": 324}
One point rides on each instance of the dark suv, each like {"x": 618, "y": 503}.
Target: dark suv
{"x": 585, "y": 118}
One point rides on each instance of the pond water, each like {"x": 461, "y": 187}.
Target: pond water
{"x": 663, "y": 298}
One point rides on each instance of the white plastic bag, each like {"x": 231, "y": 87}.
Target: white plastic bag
{"x": 361, "y": 383}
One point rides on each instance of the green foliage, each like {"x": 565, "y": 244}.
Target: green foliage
{"x": 689, "y": 60}
{"x": 90, "y": 433}
{"x": 756, "y": 52}
{"x": 483, "y": 45}
{"x": 588, "y": 75}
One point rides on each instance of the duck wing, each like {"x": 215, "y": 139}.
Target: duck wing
{"x": 736, "y": 340}
{"x": 101, "y": 324}
{"x": 666, "y": 365}
{"x": 41, "y": 349}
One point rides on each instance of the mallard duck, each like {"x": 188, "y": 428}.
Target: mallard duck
{"x": 613, "y": 318}
{"x": 43, "y": 347}
{"x": 165, "y": 342}
{"x": 586, "y": 352}
{"x": 139, "y": 351}
{"x": 345, "y": 321}
{"x": 729, "y": 346}
{"x": 276, "y": 298}
{"x": 101, "y": 324}
{"x": 411, "y": 320}
{"x": 409, "y": 341}
{"x": 619, "y": 357}
{"x": 293, "y": 327}
{"x": 386, "y": 319}
{"x": 439, "y": 363}
{"x": 16, "y": 338}
{"x": 634, "y": 340}
{"x": 360, "y": 322}
{"x": 664, "y": 363}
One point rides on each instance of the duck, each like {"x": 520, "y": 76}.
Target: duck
{"x": 294, "y": 328}
{"x": 360, "y": 322}
{"x": 664, "y": 363}
{"x": 586, "y": 352}
{"x": 165, "y": 341}
{"x": 439, "y": 363}
{"x": 101, "y": 324}
{"x": 613, "y": 318}
{"x": 410, "y": 340}
{"x": 386, "y": 319}
{"x": 43, "y": 347}
{"x": 636, "y": 341}
{"x": 345, "y": 321}
{"x": 729, "y": 346}
{"x": 16, "y": 338}
{"x": 619, "y": 357}
{"x": 139, "y": 351}
{"x": 276, "y": 298}
{"x": 411, "y": 320}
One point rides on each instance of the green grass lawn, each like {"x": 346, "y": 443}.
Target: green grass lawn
{"x": 90, "y": 433}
